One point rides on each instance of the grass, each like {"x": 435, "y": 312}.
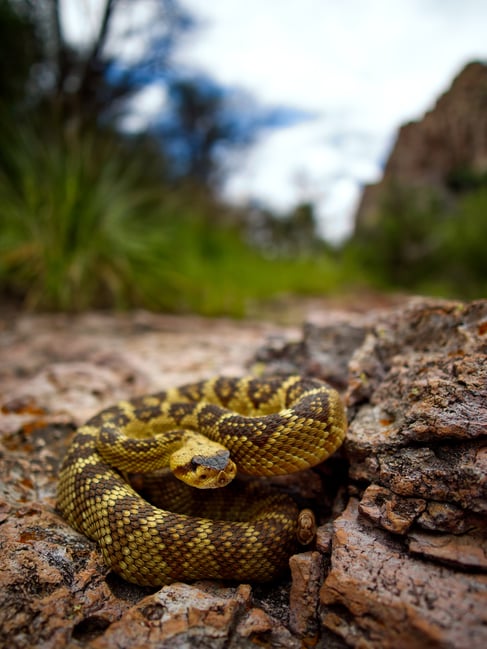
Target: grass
{"x": 70, "y": 234}
{"x": 83, "y": 225}
{"x": 239, "y": 277}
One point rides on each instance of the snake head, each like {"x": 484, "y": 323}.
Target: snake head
{"x": 207, "y": 474}
{"x": 203, "y": 465}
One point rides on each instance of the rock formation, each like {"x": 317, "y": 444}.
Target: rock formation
{"x": 449, "y": 140}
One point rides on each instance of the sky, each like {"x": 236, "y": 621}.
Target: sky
{"x": 357, "y": 69}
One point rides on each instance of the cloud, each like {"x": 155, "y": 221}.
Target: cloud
{"x": 354, "y": 70}
{"x": 362, "y": 67}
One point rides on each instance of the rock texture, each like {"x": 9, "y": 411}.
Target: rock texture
{"x": 409, "y": 552}
{"x": 400, "y": 558}
{"x": 378, "y": 595}
{"x": 450, "y": 138}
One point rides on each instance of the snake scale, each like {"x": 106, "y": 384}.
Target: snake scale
{"x": 260, "y": 426}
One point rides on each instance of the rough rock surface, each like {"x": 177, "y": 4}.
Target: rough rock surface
{"x": 400, "y": 558}
{"x": 377, "y": 595}
{"x": 409, "y": 552}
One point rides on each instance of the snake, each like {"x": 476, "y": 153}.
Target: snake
{"x": 151, "y": 479}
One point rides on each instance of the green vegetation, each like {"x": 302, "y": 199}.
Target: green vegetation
{"x": 464, "y": 247}
{"x": 424, "y": 244}
{"x": 84, "y": 223}
{"x": 92, "y": 218}
{"x": 73, "y": 223}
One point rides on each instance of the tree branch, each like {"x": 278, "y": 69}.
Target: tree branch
{"x": 104, "y": 28}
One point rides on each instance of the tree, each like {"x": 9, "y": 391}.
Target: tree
{"x": 204, "y": 123}
{"x": 18, "y": 43}
{"x": 200, "y": 124}
{"x": 86, "y": 84}
{"x": 77, "y": 86}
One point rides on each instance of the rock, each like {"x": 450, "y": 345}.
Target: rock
{"x": 324, "y": 351}
{"x": 419, "y": 392}
{"x": 255, "y": 623}
{"x": 50, "y": 583}
{"x": 391, "y": 512}
{"x": 465, "y": 551}
{"x": 307, "y": 576}
{"x": 418, "y": 402}
{"x": 401, "y": 543}
{"x": 378, "y": 595}
{"x": 324, "y": 535}
{"x": 260, "y": 629}
{"x": 442, "y": 517}
{"x": 204, "y": 614}
{"x": 179, "y": 616}
{"x": 451, "y": 138}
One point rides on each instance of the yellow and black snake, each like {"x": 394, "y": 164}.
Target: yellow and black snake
{"x": 258, "y": 426}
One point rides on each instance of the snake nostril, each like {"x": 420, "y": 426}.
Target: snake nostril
{"x": 222, "y": 478}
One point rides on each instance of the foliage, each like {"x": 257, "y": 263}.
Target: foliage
{"x": 288, "y": 235}
{"x": 220, "y": 274}
{"x": 90, "y": 222}
{"x": 204, "y": 123}
{"x": 464, "y": 179}
{"x": 92, "y": 218}
{"x": 88, "y": 83}
{"x": 97, "y": 83}
{"x": 83, "y": 224}
{"x": 73, "y": 222}
{"x": 464, "y": 247}
{"x": 421, "y": 243}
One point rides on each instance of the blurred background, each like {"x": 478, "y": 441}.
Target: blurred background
{"x": 205, "y": 157}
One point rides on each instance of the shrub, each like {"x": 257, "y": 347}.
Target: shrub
{"x": 78, "y": 225}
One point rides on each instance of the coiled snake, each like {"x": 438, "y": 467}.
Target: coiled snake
{"x": 262, "y": 426}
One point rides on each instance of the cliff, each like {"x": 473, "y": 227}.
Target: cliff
{"x": 449, "y": 139}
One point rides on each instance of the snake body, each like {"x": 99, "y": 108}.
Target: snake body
{"x": 261, "y": 426}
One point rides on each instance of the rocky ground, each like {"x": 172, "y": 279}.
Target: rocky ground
{"x": 400, "y": 558}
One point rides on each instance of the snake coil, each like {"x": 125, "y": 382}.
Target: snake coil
{"x": 258, "y": 426}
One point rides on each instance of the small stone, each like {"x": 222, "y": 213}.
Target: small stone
{"x": 394, "y": 513}
{"x": 307, "y": 576}
{"x": 256, "y": 621}
{"x": 262, "y": 630}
